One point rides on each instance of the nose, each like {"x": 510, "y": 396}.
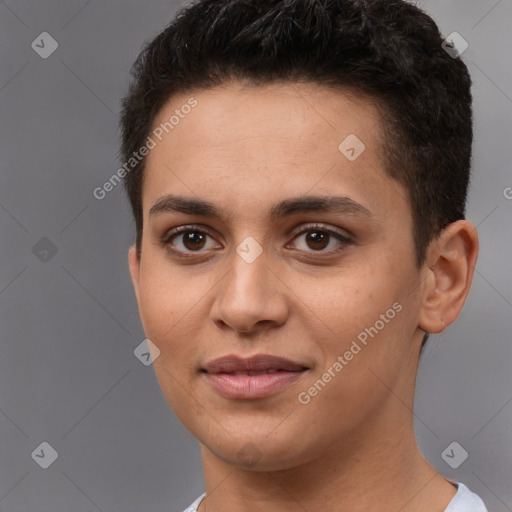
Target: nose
{"x": 251, "y": 297}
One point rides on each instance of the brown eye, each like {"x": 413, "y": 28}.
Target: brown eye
{"x": 317, "y": 238}
{"x": 193, "y": 240}
{"x": 187, "y": 240}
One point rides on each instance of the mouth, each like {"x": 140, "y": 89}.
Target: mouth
{"x": 249, "y": 378}
{"x": 261, "y": 363}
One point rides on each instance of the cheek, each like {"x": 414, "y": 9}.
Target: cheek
{"x": 363, "y": 318}
{"x": 172, "y": 313}
{"x": 156, "y": 310}
{"x": 362, "y": 362}
{"x": 349, "y": 301}
{"x": 161, "y": 305}
{"x": 168, "y": 321}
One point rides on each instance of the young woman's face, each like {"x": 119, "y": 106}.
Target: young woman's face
{"x": 267, "y": 270}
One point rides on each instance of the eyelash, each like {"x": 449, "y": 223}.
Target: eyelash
{"x": 168, "y": 238}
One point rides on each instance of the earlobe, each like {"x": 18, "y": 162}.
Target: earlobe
{"x": 450, "y": 271}
{"x": 134, "y": 266}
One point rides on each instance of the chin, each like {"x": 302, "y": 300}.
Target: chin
{"x": 259, "y": 451}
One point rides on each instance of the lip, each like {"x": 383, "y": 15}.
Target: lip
{"x": 259, "y": 376}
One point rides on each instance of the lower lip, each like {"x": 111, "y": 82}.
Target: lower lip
{"x": 252, "y": 386}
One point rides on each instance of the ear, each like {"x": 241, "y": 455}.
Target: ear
{"x": 451, "y": 261}
{"x": 134, "y": 265}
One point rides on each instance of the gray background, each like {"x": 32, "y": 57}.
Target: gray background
{"x": 69, "y": 325}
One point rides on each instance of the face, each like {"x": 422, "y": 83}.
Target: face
{"x": 311, "y": 306}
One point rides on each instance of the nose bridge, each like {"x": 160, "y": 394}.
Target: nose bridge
{"x": 250, "y": 292}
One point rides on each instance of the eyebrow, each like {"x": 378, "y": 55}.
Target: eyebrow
{"x": 326, "y": 204}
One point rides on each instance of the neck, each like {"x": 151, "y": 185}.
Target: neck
{"x": 384, "y": 472}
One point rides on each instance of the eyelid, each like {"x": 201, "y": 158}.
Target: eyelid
{"x": 344, "y": 235}
{"x": 168, "y": 235}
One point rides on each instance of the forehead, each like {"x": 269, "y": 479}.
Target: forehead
{"x": 248, "y": 147}
{"x": 238, "y": 115}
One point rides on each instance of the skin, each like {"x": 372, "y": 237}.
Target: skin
{"x": 352, "y": 447}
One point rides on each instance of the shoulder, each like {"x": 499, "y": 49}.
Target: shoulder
{"x": 465, "y": 501}
{"x": 193, "y": 506}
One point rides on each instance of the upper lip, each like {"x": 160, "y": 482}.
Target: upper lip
{"x": 261, "y": 362}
